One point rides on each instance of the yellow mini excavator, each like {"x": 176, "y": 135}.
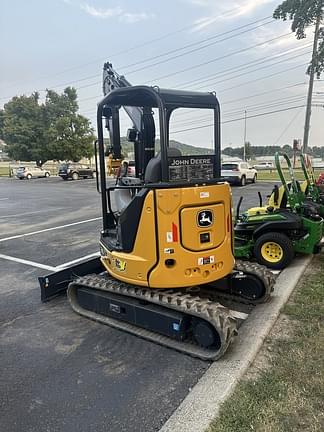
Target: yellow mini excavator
{"x": 166, "y": 243}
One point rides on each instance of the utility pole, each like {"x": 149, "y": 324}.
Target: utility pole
{"x": 244, "y": 152}
{"x": 311, "y": 86}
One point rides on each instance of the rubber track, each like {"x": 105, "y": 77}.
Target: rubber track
{"x": 248, "y": 268}
{"x": 261, "y": 272}
{"x": 217, "y": 315}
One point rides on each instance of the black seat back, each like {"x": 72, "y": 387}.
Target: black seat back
{"x": 153, "y": 172}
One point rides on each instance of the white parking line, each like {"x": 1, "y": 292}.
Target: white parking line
{"x": 44, "y": 266}
{"x": 62, "y": 266}
{"x": 49, "y": 229}
{"x": 27, "y": 262}
{"x": 2, "y": 199}
{"x": 31, "y": 213}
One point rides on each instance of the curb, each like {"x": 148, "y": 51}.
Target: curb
{"x": 202, "y": 404}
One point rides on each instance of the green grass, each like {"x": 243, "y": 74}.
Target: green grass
{"x": 287, "y": 395}
{"x": 267, "y": 175}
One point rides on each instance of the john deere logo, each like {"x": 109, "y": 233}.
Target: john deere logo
{"x": 205, "y": 218}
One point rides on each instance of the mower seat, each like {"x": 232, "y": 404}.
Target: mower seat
{"x": 278, "y": 198}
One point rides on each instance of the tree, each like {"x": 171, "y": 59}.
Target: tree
{"x": 52, "y": 130}
{"x": 23, "y": 128}
{"x": 1, "y": 123}
{"x": 69, "y": 135}
{"x": 305, "y": 13}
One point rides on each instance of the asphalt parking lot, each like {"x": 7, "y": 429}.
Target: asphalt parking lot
{"x": 59, "y": 371}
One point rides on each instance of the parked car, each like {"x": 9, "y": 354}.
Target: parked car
{"x": 74, "y": 171}
{"x": 238, "y": 173}
{"x": 29, "y": 172}
{"x": 264, "y": 166}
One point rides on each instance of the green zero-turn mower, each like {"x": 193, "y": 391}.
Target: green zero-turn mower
{"x": 273, "y": 234}
{"x": 308, "y": 190}
{"x": 309, "y": 187}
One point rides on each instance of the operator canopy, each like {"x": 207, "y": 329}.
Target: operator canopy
{"x": 155, "y": 97}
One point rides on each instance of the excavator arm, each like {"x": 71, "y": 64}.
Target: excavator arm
{"x": 142, "y": 134}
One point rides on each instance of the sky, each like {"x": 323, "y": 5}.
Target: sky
{"x": 233, "y": 47}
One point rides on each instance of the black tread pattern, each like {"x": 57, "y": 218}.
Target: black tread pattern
{"x": 191, "y": 303}
{"x": 216, "y": 314}
{"x": 260, "y": 271}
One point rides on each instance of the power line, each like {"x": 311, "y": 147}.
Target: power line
{"x": 238, "y": 119}
{"x": 197, "y": 49}
{"x": 145, "y": 44}
{"x": 196, "y": 43}
{"x": 127, "y": 50}
{"x": 96, "y": 97}
{"x": 288, "y": 126}
{"x": 174, "y": 57}
{"x": 264, "y": 77}
{"x": 220, "y": 74}
{"x": 274, "y": 102}
{"x": 240, "y": 51}
{"x": 236, "y": 69}
{"x": 242, "y": 109}
{"x": 247, "y": 65}
{"x": 251, "y": 71}
{"x": 263, "y": 93}
{"x": 226, "y": 102}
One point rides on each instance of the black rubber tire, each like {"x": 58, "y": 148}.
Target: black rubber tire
{"x": 243, "y": 181}
{"x": 28, "y": 176}
{"x": 65, "y": 178}
{"x": 75, "y": 176}
{"x": 47, "y": 174}
{"x": 285, "y": 244}
{"x": 254, "y": 178}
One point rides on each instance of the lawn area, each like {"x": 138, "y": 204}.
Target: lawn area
{"x": 284, "y": 389}
{"x": 267, "y": 175}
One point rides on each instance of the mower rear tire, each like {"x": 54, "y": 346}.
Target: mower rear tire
{"x": 274, "y": 250}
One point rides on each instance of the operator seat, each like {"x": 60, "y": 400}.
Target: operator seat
{"x": 153, "y": 172}
{"x": 131, "y": 205}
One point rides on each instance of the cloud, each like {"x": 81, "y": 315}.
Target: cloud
{"x": 247, "y": 6}
{"x": 135, "y": 17}
{"x": 200, "y": 2}
{"x": 117, "y": 12}
{"x": 225, "y": 10}
{"x": 101, "y": 13}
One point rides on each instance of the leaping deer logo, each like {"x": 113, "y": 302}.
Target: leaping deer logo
{"x": 205, "y": 218}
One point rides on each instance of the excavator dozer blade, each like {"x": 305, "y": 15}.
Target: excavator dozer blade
{"x": 56, "y": 283}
